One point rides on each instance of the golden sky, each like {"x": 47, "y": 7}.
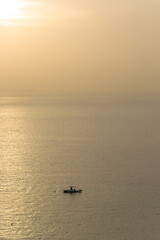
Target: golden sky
{"x": 79, "y": 47}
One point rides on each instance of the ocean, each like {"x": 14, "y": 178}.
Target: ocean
{"x": 108, "y": 147}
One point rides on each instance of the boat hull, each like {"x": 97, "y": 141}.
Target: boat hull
{"x": 72, "y": 191}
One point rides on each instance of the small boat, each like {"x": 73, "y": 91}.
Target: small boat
{"x": 72, "y": 190}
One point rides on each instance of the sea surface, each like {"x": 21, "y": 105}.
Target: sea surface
{"x": 110, "y": 148}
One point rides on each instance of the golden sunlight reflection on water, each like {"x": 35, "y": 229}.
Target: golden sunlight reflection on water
{"x": 26, "y": 180}
{"x": 15, "y": 211}
{"x": 110, "y": 149}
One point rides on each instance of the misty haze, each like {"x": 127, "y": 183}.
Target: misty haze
{"x": 79, "y": 110}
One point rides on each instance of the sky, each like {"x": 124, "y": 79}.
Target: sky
{"x": 106, "y": 47}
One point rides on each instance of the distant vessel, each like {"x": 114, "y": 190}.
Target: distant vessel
{"x": 72, "y": 190}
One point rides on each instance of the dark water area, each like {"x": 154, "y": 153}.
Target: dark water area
{"x": 108, "y": 147}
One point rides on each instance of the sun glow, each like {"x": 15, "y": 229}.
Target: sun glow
{"x": 10, "y": 9}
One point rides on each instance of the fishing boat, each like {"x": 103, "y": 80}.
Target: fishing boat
{"x": 72, "y": 190}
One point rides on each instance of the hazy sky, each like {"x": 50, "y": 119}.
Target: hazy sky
{"x": 80, "y": 46}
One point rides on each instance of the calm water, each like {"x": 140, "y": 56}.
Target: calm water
{"x": 109, "y": 148}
